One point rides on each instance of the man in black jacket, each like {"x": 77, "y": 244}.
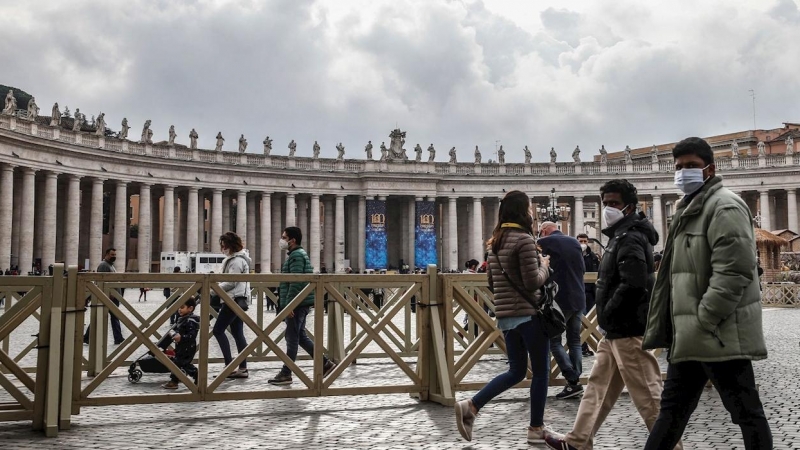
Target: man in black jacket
{"x": 624, "y": 282}
{"x": 591, "y": 262}
{"x": 567, "y": 264}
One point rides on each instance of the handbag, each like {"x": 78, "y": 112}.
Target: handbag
{"x": 550, "y": 315}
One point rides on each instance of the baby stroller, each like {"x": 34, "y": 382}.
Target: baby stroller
{"x": 148, "y": 363}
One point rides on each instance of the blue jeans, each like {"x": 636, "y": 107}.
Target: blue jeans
{"x": 526, "y": 340}
{"x": 225, "y": 319}
{"x": 296, "y": 337}
{"x": 571, "y": 366}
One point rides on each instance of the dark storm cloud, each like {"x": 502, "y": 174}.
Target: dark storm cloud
{"x": 452, "y": 73}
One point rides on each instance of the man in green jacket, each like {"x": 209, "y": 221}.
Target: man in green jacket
{"x": 297, "y": 261}
{"x": 706, "y": 304}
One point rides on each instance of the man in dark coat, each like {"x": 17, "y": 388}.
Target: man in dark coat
{"x": 568, "y": 270}
{"x": 591, "y": 263}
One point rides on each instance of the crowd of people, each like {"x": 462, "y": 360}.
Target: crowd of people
{"x": 703, "y": 306}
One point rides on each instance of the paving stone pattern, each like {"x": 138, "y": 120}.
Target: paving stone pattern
{"x": 398, "y": 421}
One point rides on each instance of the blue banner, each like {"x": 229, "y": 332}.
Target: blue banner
{"x": 425, "y": 235}
{"x": 376, "y": 254}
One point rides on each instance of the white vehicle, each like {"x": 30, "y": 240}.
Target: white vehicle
{"x": 170, "y": 260}
{"x": 191, "y": 262}
{"x": 207, "y": 262}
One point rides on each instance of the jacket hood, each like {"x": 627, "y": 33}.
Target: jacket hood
{"x": 638, "y": 222}
{"x": 244, "y": 255}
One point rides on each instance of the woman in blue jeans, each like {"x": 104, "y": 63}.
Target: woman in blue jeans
{"x": 515, "y": 265}
{"x": 236, "y": 261}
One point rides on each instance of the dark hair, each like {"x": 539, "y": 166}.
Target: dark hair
{"x": 514, "y": 208}
{"x": 694, "y": 146}
{"x": 109, "y": 250}
{"x": 622, "y": 187}
{"x": 582, "y": 235}
{"x": 176, "y": 269}
{"x": 294, "y": 233}
{"x": 471, "y": 263}
{"x": 190, "y": 302}
{"x": 231, "y": 241}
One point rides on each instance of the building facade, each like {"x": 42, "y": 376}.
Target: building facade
{"x": 66, "y": 195}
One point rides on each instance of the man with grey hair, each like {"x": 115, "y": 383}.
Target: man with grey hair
{"x": 566, "y": 260}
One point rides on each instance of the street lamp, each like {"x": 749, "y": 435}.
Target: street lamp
{"x": 552, "y": 212}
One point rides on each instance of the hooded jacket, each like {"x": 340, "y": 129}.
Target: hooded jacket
{"x": 238, "y": 262}
{"x": 706, "y": 303}
{"x": 625, "y": 278}
{"x": 296, "y": 262}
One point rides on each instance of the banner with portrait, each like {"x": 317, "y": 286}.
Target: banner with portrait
{"x": 425, "y": 248}
{"x": 376, "y": 252}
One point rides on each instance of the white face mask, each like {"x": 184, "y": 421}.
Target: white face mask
{"x": 584, "y": 247}
{"x": 283, "y": 244}
{"x": 690, "y": 181}
{"x": 612, "y": 215}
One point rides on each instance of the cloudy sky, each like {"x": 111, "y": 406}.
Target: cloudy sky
{"x": 452, "y": 73}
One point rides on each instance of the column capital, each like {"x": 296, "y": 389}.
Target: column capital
{"x": 656, "y": 195}
{"x": 341, "y": 196}
{"x": 121, "y": 183}
{"x": 7, "y": 167}
{"x": 169, "y": 186}
{"x": 96, "y": 180}
{"x": 419, "y": 199}
{"x": 29, "y": 170}
{"x": 290, "y": 194}
{"x": 315, "y": 196}
{"x": 382, "y": 198}
{"x": 217, "y": 190}
{"x": 51, "y": 174}
{"x": 194, "y": 189}
{"x": 243, "y": 191}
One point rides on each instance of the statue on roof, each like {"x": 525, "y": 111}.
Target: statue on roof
{"x": 789, "y": 145}
{"x": 340, "y": 149}
{"x": 576, "y": 155}
{"x": 172, "y": 135}
{"x": 220, "y": 142}
{"x": 553, "y": 155}
{"x": 654, "y": 154}
{"x": 193, "y": 136}
{"x": 292, "y": 148}
{"x": 501, "y": 155}
{"x": 242, "y": 144}
{"x": 431, "y": 153}
{"x": 527, "y": 155}
{"x": 396, "y": 150}
{"x": 368, "y": 150}
{"x": 477, "y": 155}
{"x": 735, "y": 149}
{"x": 33, "y": 109}
{"x": 100, "y": 123}
{"x": 123, "y": 133}
{"x": 603, "y": 155}
{"x": 77, "y": 123}
{"x": 267, "y": 146}
{"x": 628, "y": 158}
{"x": 146, "y": 133}
{"x": 315, "y": 150}
{"x": 11, "y": 103}
{"x": 55, "y": 116}
{"x": 418, "y": 151}
{"x": 762, "y": 148}
{"x": 384, "y": 152}
{"x": 453, "y": 158}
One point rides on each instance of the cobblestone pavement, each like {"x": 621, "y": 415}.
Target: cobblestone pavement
{"x": 398, "y": 421}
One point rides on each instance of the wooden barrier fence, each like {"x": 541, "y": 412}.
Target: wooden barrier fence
{"x": 432, "y": 330}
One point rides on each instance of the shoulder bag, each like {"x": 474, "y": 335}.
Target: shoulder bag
{"x": 549, "y": 313}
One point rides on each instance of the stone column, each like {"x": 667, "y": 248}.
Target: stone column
{"x": 145, "y": 229}
{"x": 362, "y": 231}
{"x": 6, "y": 211}
{"x": 314, "y": 241}
{"x": 38, "y": 215}
{"x": 452, "y": 233}
{"x": 277, "y": 229}
{"x": 49, "y": 219}
{"x": 216, "y": 220}
{"x": 96, "y": 227}
{"x": 266, "y": 233}
{"x": 291, "y": 210}
{"x": 477, "y": 229}
{"x": 72, "y": 222}
{"x": 178, "y": 223}
{"x": 227, "y": 223}
{"x": 121, "y": 226}
{"x": 578, "y": 215}
{"x": 302, "y": 216}
{"x": 241, "y": 217}
{"x": 339, "y": 239}
{"x": 658, "y": 221}
{"x": 791, "y": 202}
{"x": 168, "y": 220}
{"x": 328, "y": 256}
{"x": 252, "y": 238}
{"x": 192, "y": 226}
{"x": 403, "y": 226}
{"x": 764, "y": 207}
{"x": 26, "y": 221}
{"x": 201, "y": 220}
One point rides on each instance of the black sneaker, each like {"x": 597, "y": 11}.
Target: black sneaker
{"x": 327, "y": 368}
{"x": 570, "y": 391}
{"x": 281, "y": 379}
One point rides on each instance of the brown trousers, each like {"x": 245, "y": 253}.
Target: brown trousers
{"x": 619, "y": 363}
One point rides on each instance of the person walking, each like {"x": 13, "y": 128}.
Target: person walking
{"x": 591, "y": 262}
{"x": 624, "y": 281}
{"x": 296, "y": 262}
{"x": 105, "y": 266}
{"x": 516, "y": 272}
{"x": 706, "y": 304}
{"x": 568, "y": 272}
{"x": 236, "y": 261}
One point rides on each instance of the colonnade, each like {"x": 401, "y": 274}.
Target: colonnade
{"x": 48, "y": 217}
